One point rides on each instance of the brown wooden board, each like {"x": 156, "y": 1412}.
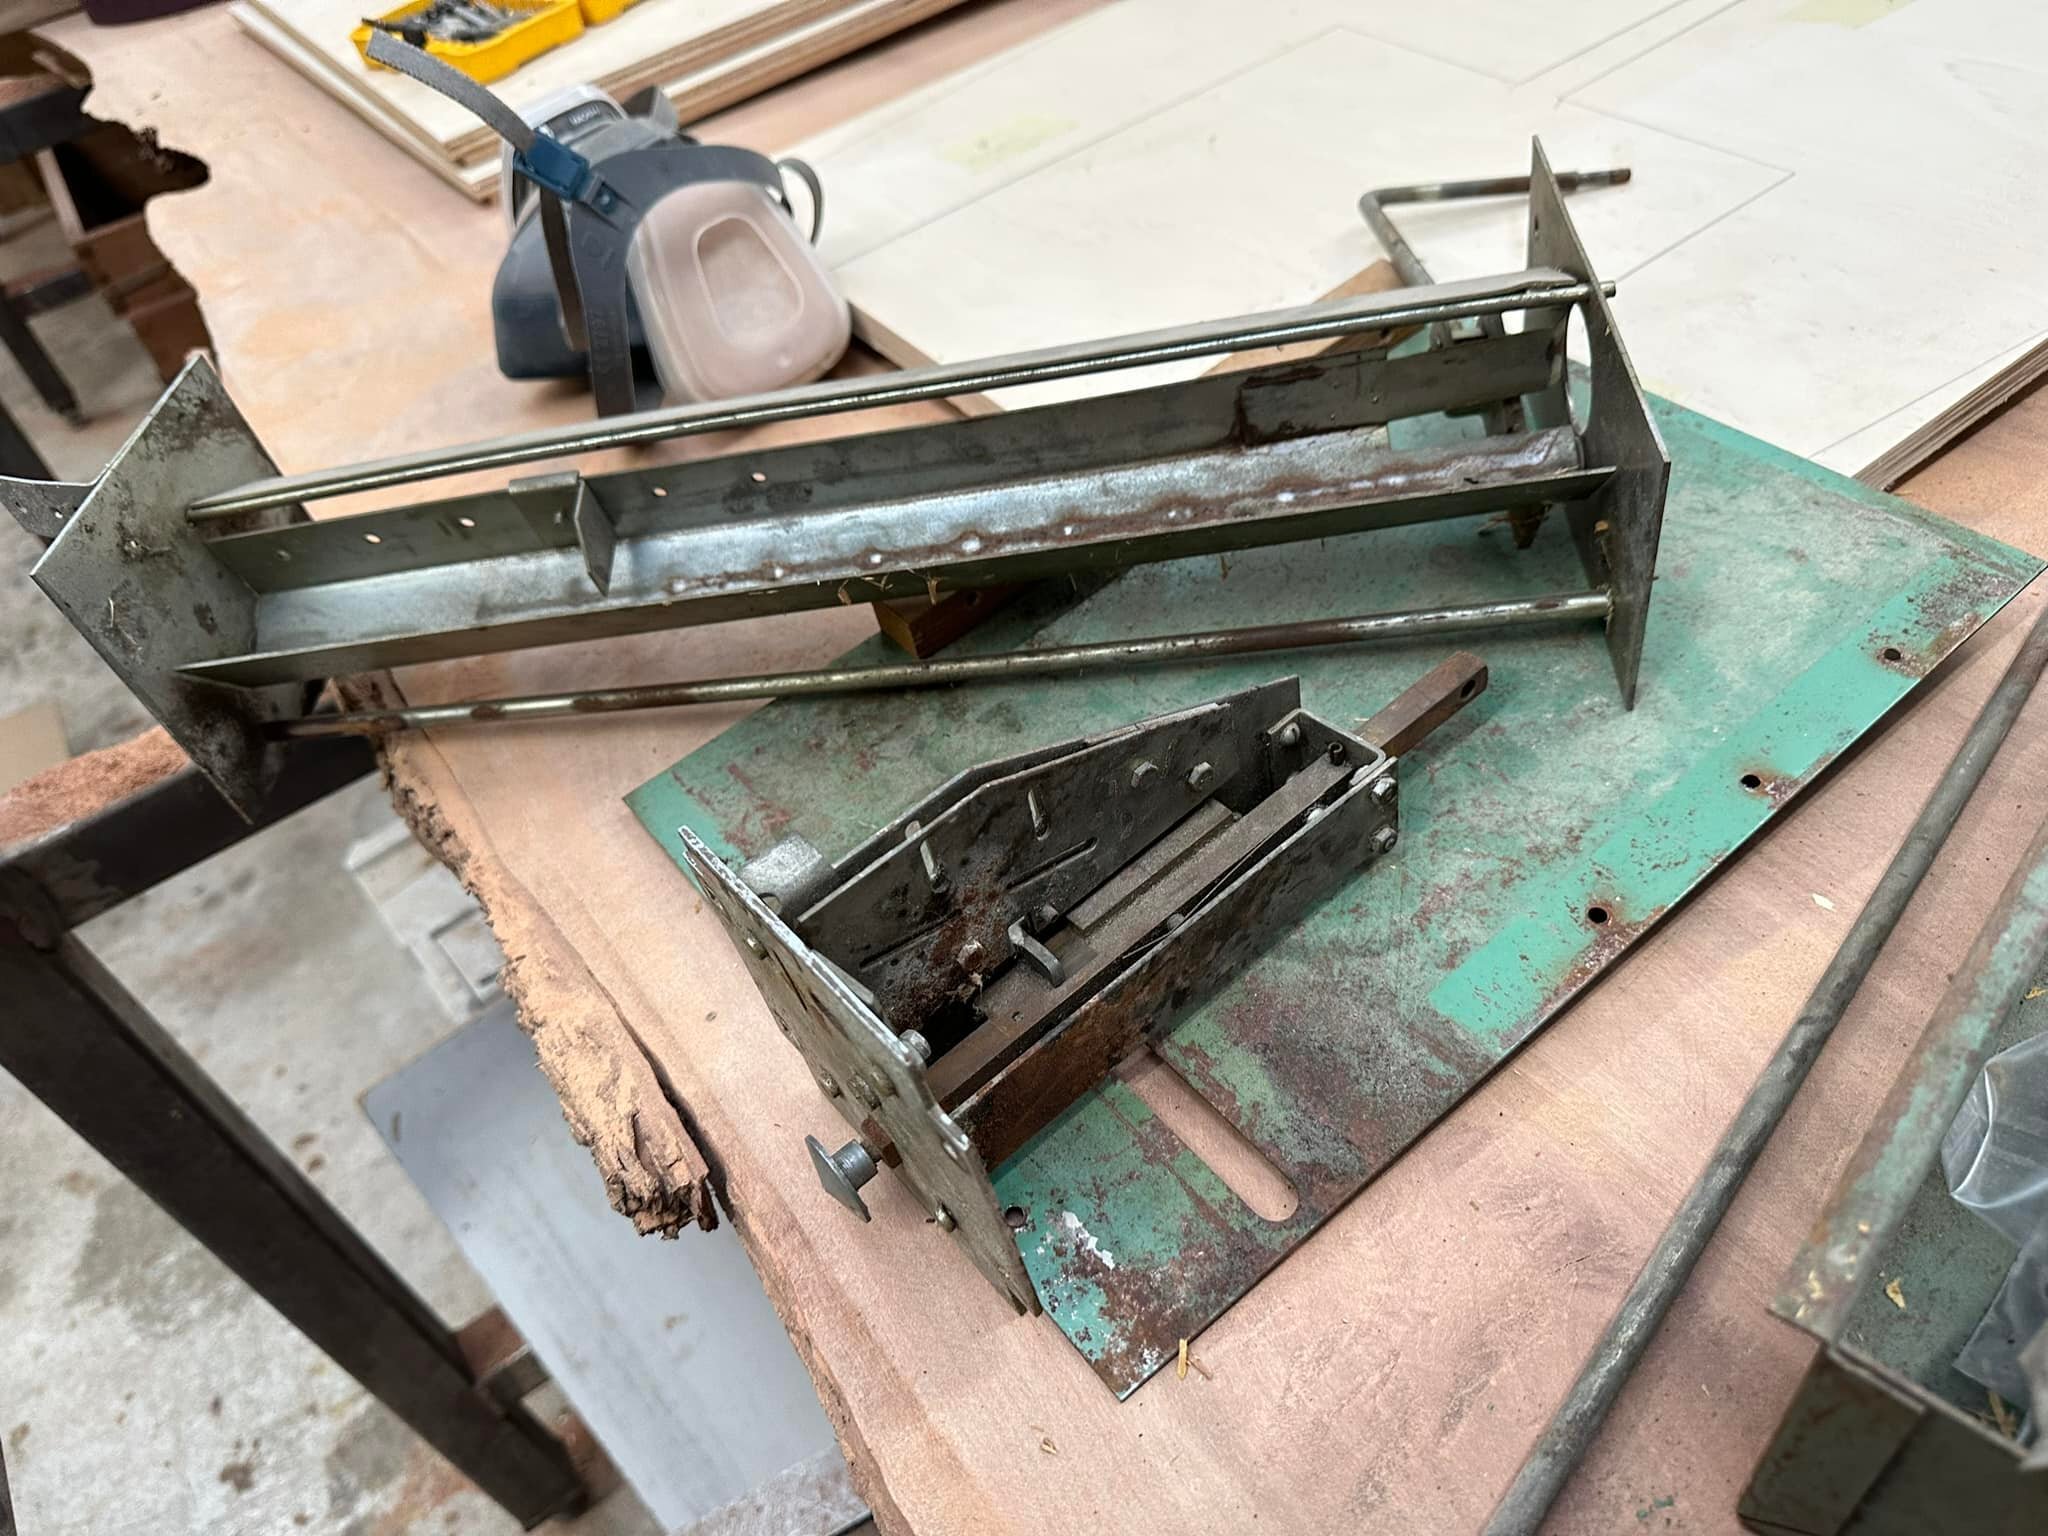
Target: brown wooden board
{"x": 1391, "y": 1374}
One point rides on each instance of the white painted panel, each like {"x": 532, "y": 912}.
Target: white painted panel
{"x": 1245, "y": 197}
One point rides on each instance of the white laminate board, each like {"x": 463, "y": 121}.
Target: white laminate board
{"x": 1904, "y": 253}
{"x": 1243, "y": 197}
{"x": 1510, "y": 40}
{"x": 1044, "y": 103}
{"x": 1835, "y": 232}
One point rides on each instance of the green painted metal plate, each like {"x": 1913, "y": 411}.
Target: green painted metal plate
{"x": 1543, "y": 831}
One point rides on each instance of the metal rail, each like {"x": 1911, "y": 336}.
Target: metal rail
{"x": 1410, "y": 624}
{"x": 1536, "y": 288}
{"x": 1579, "y": 1417}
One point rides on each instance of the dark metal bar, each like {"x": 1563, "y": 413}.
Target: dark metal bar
{"x": 80, "y": 1043}
{"x": 1340, "y": 317}
{"x": 37, "y": 363}
{"x": 1579, "y": 1417}
{"x": 1407, "y": 625}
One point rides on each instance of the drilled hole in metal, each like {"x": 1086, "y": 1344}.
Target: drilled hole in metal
{"x": 1596, "y": 914}
{"x": 1751, "y": 781}
{"x": 1014, "y": 1217}
{"x": 1892, "y": 653}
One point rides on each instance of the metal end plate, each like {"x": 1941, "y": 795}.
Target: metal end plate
{"x": 1618, "y": 527}
{"x": 138, "y": 582}
{"x": 876, "y": 1074}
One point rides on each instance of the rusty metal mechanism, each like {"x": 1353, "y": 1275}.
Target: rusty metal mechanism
{"x": 968, "y": 972}
{"x": 191, "y": 566}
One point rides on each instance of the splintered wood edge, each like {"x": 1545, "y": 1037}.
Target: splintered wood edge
{"x": 654, "y": 1173}
{"x": 611, "y": 1096}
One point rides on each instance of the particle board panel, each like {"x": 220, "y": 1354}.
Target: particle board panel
{"x": 1243, "y": 197}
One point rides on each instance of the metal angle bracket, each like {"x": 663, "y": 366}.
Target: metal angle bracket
{"x": 134, "y": 576}
{"x": 968, "y": 972}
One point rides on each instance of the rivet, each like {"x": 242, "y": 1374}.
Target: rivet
{"x": 1290, "y": 734}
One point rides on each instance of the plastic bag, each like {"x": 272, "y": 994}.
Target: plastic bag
{"x": 1995, "y": 1159}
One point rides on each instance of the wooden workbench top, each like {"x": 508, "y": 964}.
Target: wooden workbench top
{"x": 1390, "y": 1374}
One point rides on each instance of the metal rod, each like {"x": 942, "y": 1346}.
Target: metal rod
{"x": 1409, "y": 624}
{"x": 1578, "y": 1418}
{"x": 1373, "y": 205}
{"x": 1541, "y": 288}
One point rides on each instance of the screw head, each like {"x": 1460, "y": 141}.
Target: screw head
{"x": 1143, "y": 772}
{"x": 1385, "y": 790}
{"x": 1383, "y": 840}
{"x": 1201, "y": 776}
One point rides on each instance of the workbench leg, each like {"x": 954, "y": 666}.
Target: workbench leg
{"x": 40, "y": 367}
{"x": 77, "y": 1040}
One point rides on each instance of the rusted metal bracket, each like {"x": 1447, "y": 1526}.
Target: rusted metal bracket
{"x": 966, "y": 974}
{"x": 191, "y": 567}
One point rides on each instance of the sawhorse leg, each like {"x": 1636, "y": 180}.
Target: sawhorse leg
{"x": 79, "y": 1042}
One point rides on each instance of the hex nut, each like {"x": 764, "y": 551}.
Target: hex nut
{"x": 1383, "y": 840}
{"x": 1143, "y": 772}
{"x": 970, "y": 956}
{"x": 1385, "y": 790}
{"x": 1201, "y": 776}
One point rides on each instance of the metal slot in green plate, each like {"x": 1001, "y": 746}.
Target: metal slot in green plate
{"x": 1543, "y": 831}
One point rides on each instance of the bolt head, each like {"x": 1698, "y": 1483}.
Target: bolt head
{"x": 864, "y": 1091}
{"x": 1383, "y": 840}
{"x": 1385, "y": 790}
{"x": 1143, "y": 772}
{"x": 830, "y": 1084}
{"x": 1201, "y": 776}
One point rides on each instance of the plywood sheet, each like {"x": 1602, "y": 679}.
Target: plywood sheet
{"x": 1243, "y": 196}
{"x": 1829, "y": 242}
{"x": 693, "y": 95}
{"x": 662, "y": 36}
